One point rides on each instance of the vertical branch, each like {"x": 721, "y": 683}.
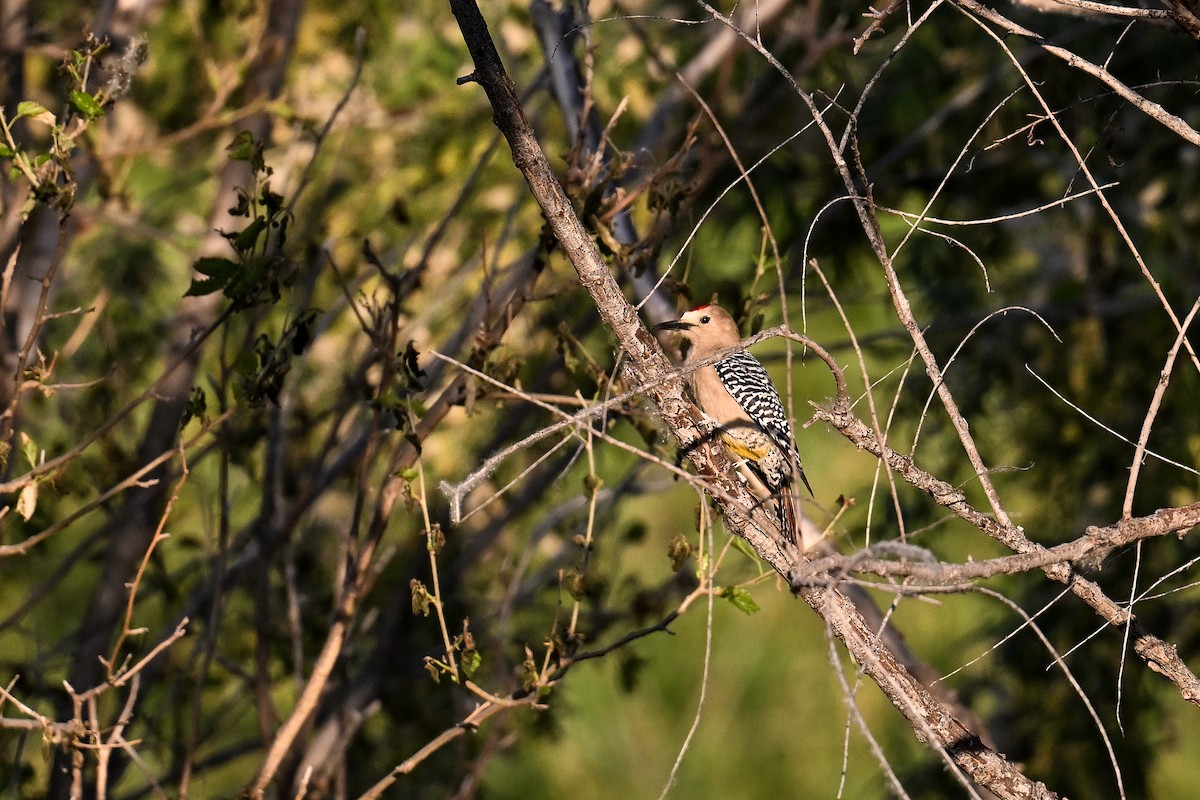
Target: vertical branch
{"x": 1164, "y": 378}
{"x": 433, "y": 544}
{"x": 159, "y": 536}
{"x": 593, "y": 483}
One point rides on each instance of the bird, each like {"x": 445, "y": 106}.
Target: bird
{"x": 737, "y": 395}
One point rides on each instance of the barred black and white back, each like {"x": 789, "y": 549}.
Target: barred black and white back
{"x": 749, "y": 384}
{"x": 747, "y": 381}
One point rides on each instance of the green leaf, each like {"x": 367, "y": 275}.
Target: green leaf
{"x": 245, "y": 363}
{"x": 216, "y": 267}
{"x": 205, "y": 286}
{"x": 30, "y": 449}
{"x": 28, "y": 108}
{"x": 245, "y": 148}
{"x": 197, "y": 404}
{"x": 246, "y": 239}
{"x": 743, "y": 547}
{"x": 219, "y": 272}
{"x": 6, "y": 151}
{"x": 86, "y": 104}
{"x": 470, "y": 661}
{"x": 742, "y": 600}
{"x": 389, "y": 400}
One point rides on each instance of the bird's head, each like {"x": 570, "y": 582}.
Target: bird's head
{"x": 708, "y": 328}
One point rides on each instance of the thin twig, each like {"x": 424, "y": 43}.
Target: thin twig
{"x": 1160, "y": 390}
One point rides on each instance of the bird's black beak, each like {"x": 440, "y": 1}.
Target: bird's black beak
{"x": 673, "y": 325}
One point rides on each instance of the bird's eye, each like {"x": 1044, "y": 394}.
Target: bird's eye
{"x": 704, "y": 320}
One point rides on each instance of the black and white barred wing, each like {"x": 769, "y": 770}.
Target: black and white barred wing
{"x": 747, "y": 381}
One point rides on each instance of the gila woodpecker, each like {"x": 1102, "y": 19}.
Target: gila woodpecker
{"x": 736, "y": 393}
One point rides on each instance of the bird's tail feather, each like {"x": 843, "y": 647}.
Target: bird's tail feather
{"x": 787, "y": 512}
{"x": 785, "y": 501}
{"x": 804, "y": 478}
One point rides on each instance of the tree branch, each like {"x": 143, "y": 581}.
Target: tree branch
{"x": 648, "y": 365}
{"x": 1175, "y": 124}
{"x": 1159, "y": 655}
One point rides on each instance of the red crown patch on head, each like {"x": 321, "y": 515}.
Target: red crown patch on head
{"x": 697, "y": 308}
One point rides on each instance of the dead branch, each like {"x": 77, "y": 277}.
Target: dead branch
{"x": 917, "y": 563}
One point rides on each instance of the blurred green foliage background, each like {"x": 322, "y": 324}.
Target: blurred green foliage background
{"x": 404, "y": 221}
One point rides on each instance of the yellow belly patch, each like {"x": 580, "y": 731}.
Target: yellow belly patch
{"x": 743, "y": 449}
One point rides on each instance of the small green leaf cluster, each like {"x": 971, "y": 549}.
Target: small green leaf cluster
{"x": 258, "y": 270}
{"x": 263, "y": 371}
{"x": 50, "y": 173}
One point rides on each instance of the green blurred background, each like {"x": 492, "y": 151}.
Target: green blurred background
{"x": 413, "y": 166}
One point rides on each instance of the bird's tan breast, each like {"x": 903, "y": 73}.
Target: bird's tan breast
{"x": 713, "y": 399}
